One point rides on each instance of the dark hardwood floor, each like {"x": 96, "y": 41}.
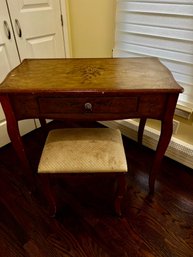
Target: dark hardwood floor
{"x": 86, "y": 226}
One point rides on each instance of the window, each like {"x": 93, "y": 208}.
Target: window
{"x": 160, "y": 28}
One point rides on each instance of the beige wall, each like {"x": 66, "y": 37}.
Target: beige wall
{"x": 92, "y": 34}
{"x": 92, "y": 27}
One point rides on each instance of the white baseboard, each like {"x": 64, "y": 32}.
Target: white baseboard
{"x": 25, "y": 126}
{"x": 178, "y": 150}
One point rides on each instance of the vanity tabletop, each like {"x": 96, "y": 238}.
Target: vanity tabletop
{"x": 90, "y": 75}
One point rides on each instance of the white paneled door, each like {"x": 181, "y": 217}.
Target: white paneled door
{"x": 38, "y": 28}
{"x": 28, "y": 29}
{"x": 9, "y": 59}
{"x": 8, "y": 52}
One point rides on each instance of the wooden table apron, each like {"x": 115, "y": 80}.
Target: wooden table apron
{"x": 92, "y": 103}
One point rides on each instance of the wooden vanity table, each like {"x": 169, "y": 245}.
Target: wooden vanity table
{"x": 91, "y": 89}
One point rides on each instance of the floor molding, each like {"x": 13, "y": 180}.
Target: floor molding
{"x": 178, "y": 150}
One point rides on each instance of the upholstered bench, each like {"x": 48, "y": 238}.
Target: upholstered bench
{"x": 84, "y": 150}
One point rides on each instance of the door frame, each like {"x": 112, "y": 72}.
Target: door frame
{"x": 64, "y": 6}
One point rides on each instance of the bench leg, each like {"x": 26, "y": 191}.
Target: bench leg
{"x": 121, "y": 190}
{"x": 48, "y": 193}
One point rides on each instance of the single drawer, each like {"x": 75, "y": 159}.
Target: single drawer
{"x": 53, "y": 105}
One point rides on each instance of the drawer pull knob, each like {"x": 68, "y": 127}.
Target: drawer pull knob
{"x": 88, "y": 107}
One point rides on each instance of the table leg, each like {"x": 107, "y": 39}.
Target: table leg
{"x": 165, "y": 136}
{"x": 141, "y": 130}
{"x": 14, "y": 134}
{"x": 43, "y": 126}
{"x": 42, "y": 122}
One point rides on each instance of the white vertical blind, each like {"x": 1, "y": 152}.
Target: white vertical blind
{"x": 160, "y": 28}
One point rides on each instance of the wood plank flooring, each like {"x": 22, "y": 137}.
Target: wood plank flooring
{"x": 161, "y": 226}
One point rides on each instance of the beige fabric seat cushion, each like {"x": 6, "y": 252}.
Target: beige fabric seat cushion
{"x": 80, "y": 150}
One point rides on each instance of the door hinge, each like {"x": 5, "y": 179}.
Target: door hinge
{"x": 62, "y": 20}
